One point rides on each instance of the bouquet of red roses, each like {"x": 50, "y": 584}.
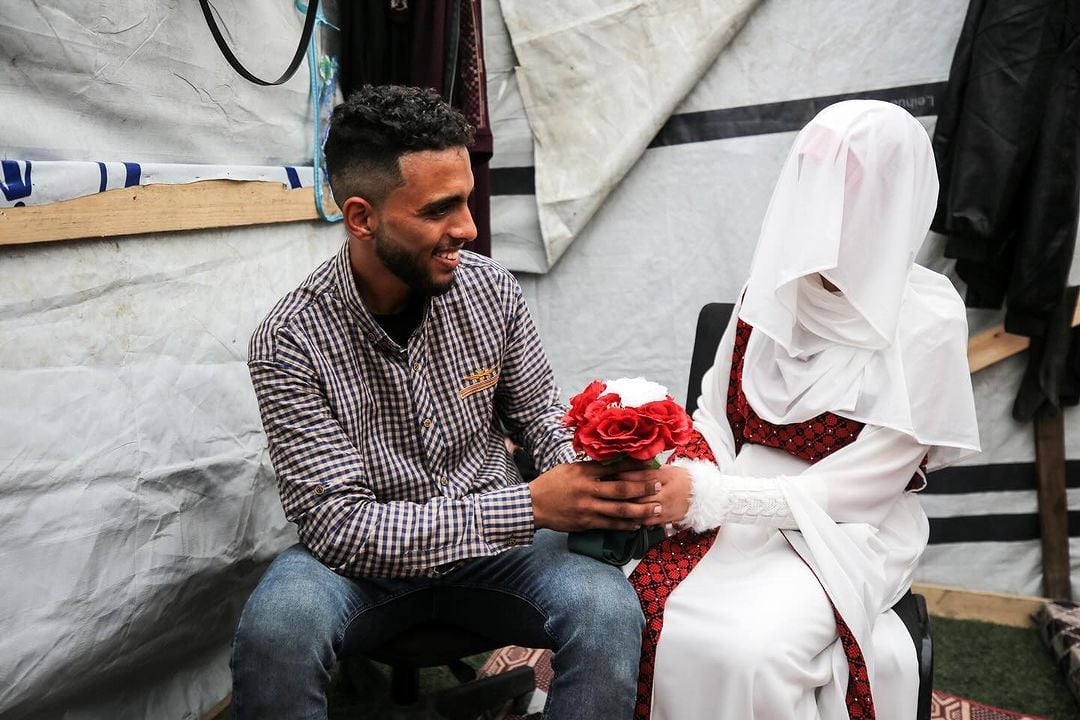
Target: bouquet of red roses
{"x": 616, "y": 419}
{"x": 628, "y": 417}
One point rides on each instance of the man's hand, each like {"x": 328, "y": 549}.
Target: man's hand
{"x": 576, "y": 496}
{"x": 673, "y": 497}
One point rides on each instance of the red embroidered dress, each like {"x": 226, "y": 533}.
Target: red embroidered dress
{"x": 671, "y": 561}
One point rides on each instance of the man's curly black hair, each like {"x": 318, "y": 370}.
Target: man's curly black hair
{"x": 375, "y": 126}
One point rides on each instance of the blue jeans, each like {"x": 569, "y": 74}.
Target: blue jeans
{"x": 303, "y": 616}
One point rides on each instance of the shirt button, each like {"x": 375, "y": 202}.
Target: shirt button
{"x": 416, "y": 367}
{"x": 428, "y": 422}
{"x": 318, "y": 489}
{"x": 511, "y": 542}
{"x": 443, "y": 480}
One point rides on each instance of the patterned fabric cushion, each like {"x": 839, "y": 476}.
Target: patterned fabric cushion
{"x": 1059, "y": 625}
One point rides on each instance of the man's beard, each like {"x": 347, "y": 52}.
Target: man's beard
{"x": 408, "y": 268}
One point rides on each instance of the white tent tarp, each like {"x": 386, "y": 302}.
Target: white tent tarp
{"x": 137, "y": 505}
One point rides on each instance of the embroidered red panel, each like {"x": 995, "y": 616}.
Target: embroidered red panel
{"x": 812, "y": 440}
{"x": 664, "y": 566}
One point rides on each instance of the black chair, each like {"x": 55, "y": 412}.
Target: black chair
{"x": 911, "y": 608}
{"x": 435, "y": 645}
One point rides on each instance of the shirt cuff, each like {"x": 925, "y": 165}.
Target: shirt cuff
{"x": 565, "y": 454}
{"x": 506, "y": 517}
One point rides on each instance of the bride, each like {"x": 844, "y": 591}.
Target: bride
{"x": 841, "y": 379}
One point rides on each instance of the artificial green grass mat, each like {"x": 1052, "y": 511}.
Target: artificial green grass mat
{"x": 1007, "y": 667}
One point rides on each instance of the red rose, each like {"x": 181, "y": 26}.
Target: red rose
{"x": 588, "y": 403}
{"x": 675, "y": 424}
{"x": 605, "y": 430}
{"x": 620, "y": 431}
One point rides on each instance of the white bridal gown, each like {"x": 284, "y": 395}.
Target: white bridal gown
{"x": 751, "y": 634}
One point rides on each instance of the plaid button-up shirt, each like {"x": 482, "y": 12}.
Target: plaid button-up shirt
{"x": 388, "y": 458}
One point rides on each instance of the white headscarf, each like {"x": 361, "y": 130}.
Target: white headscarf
{"x": 853, "y": 203}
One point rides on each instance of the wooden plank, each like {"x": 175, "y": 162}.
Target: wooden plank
{"x": 994, "y": 345}
{"x": 1053, "y": 505}
{"x": 218, "y": 710}
{"x": 997, "y": 608}
{"x": 158, "y": 208}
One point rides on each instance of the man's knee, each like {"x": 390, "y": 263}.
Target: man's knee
{"x": 589, "y": 606}
{"x": 290, "y": 612}
{"x": 271, "y": 628}
{"x": 604, "y": 611}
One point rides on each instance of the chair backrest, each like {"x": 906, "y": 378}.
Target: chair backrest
{"x": 711, "y": 323}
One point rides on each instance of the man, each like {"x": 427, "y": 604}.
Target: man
{"x": 384, "y": 381}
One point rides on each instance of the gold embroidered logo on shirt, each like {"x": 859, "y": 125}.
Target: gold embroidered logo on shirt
{"x": 477, "y": 381}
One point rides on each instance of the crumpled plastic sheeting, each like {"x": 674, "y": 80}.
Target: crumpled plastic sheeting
{"x": 137, "y": 503}
{"x": 599, "y": 78}
{"x": 144, "y": 81}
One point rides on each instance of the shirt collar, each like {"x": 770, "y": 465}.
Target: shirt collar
{"x": 346, "y": 283}
{"x": 350, "y": 296}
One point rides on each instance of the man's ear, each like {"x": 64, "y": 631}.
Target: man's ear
{"x": 359, "y": 217}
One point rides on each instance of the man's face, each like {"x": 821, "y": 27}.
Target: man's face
{"x": 426, "y": 221}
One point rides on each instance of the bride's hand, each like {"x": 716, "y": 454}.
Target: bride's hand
{"x": 673, "y": 497}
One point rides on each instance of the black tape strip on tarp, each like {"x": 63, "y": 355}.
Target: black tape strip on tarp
{"x": 745, "y": 121}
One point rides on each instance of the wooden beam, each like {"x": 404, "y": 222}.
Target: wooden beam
{"x": 158, "y": 208}
{"x": 997, "y": 608}
{"x": 994, "y": 345}
{"x": 1053, "y": 505}
{"x": 219, "y": 709}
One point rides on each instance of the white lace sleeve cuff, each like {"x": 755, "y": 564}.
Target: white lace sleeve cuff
{"x": 716, "y": 498}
